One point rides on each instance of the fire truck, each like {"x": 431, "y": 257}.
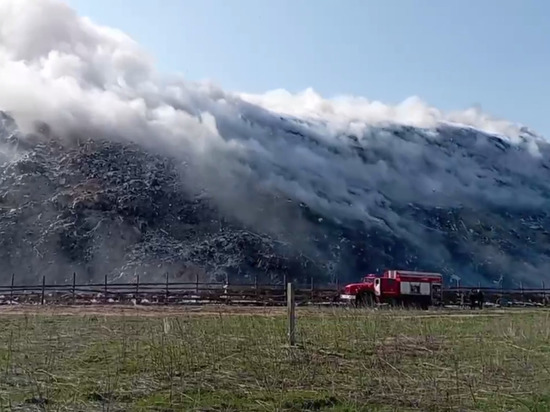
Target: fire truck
{"x": 396, "y": 288}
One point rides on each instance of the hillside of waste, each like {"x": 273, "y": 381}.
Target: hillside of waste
{"x": 105, "y": 207}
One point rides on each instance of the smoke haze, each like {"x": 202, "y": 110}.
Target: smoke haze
{"x": 354, "y": 161}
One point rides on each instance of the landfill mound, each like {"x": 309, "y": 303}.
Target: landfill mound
{"x": 102, "y": 207}
{"x": 98, "y": 207}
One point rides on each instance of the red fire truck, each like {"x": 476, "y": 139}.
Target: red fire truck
{"x": 396, "y": 288}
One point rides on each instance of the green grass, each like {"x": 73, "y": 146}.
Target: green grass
{"x": 346, "y": 360}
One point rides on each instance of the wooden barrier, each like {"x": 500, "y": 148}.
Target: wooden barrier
{"x": 195, "y": 292}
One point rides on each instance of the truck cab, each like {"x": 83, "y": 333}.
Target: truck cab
{"x": 364, "y": 290}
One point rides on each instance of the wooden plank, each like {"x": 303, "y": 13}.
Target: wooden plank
{"x": 42, "y": 298}
{"x": 291, "y": 308}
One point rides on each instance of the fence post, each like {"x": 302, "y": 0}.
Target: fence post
{"x": 137, "y": 288}
{"x": 291, "y": 314}
{"x": 197, "y": 283}
{"x": 522, "y": 295}
{"x": 74, "y": 288}
{"x": 42, "y": 298}
{"x": 105, "y": 289}
{"x": 11, "y": 289}
{"x": 167, "y": 291}
{"x": 312, "y": 288}
{"x": 285, "y": 286}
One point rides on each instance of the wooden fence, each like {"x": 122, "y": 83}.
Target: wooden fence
{"x": 174, "y": 293}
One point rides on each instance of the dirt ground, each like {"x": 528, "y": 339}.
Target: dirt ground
{"x": 138, "y": 310}
{"x": 234, "y": 310}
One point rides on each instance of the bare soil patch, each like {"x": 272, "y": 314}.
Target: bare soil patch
{"x": 237, "y": 310}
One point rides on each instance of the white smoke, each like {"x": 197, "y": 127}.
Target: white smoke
{"x": 355, "y": 114}
{"x": 83, "y": 78}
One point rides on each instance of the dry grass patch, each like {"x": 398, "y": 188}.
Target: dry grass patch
{"x": 346, "y": 360}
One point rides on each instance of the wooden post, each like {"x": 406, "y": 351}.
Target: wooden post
{"x": 167, "y": 291}
{"x": 12, "y": 285}
{"x": 291, "y": 314}
{"x": 74, "y": 288}
{"x": 197, "y": 283}
{"x": 285, "y": 286}
{"x": 137, "y": 288}
{"x": 42, "y": 299}
{"x": 105, "y": 289}
{"x": 522, "y": 295}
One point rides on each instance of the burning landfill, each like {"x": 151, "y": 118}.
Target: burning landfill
{"x": 103, "y": 207}
{"x": 109, "y": 168}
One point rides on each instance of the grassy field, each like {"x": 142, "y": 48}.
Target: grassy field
{"x": 346, "y": 360}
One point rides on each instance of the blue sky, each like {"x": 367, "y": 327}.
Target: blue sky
{"x": 451, "y": 53}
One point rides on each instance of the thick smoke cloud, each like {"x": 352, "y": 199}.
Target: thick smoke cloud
{"x": 349, "y": 114}
{"x": 343, "y": 157}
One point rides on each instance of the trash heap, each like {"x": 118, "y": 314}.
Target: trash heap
{"x": 99, "y": 207}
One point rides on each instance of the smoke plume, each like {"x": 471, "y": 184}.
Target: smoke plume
{"x": 347, "y": 158}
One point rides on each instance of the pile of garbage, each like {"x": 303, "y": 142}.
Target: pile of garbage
{"x": 100, "y": 207}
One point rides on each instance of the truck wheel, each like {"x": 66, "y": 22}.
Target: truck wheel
{"x": 365, "y": 300}
{"x": 425, "y": 303}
